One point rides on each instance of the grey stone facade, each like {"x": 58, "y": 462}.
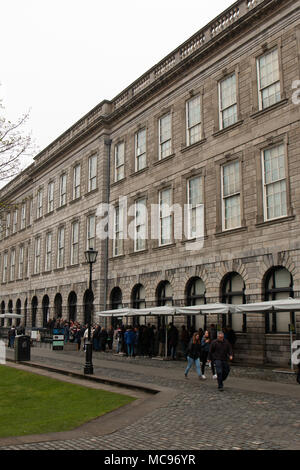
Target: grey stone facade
{"x": 230, "y": 45}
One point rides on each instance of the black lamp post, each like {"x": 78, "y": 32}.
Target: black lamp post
{"x": 90, "y": 256}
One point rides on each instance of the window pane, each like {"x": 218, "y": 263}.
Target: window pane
{"x": 231, "y": 179}
{"x": 232, "y": 212}
{"x": 268, "y": 69}
{"x": 228, "y": 92}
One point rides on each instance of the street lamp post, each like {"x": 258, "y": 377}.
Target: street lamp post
{"x": 90, "y": 256}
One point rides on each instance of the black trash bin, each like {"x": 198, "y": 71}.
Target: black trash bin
{"x": 22, "y": 348}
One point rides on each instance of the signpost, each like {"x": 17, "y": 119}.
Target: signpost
{"x": 58, "y": 339}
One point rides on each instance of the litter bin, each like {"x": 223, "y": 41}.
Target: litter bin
{"x": 22, "y": 348}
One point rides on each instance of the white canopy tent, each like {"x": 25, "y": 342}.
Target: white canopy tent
{"x": 205, "y": 309}
{"x": 10, "y": 315}
{"x": 283, "y": 305}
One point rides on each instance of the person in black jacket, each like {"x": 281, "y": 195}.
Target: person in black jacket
{"x": 193, "y": 355}
{"x": 220, "y": 351}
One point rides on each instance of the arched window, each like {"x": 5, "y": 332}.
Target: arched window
{"x": 278, "y": 284}
{"x": 72, "y": 306}
{"x": 233, "y": 292}
{"x": 138, "y": 296}
{"x": 164, "y": 294}
{"x": 2, "y": 312}
{"x": 46, "y": 310}
{"x": 195, "y": 295}
{"x": 10, "y": 310}
{"x": 58, "y": 306}
{"x": 116, "y": 298}
{"x": 34, "y": 306}
{"x": 25, "y": 312}
{"x": 18, "y": 311}
{"x": 88, "y": 306}
{"x": 138, "y": 301}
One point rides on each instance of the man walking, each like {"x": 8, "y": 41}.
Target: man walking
{"x": 220, "y": 351}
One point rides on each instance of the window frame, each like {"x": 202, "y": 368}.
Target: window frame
{"x": 233, "y": 195}
{"x": 200, "y": 123}
{"x": 92, "y": 179}
{"x": 137, "y": 155}
{"x": 60, "y": 248}
{"x": 264, "y": 184}
{"x": 170, "y": 217}
{"x": 160, "y": 142}
{"x": 261, "y": 107}
{"x": 221, "y": 109}
{"x": 76, "y": 183}
{"x": 119, "y": 173}
{"x": 74, "y": 259}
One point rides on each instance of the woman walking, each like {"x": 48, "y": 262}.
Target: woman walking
{"x": 193, "y": 355}
{"x": 205, "y": 345}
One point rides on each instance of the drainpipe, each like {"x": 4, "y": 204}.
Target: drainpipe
{"x": 108, "y": 144}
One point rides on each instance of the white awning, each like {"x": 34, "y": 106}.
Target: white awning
{"x": 133, "y": 312}
{"x": 283, "y": 305}
{"x": 10, "y": 315}
{"x": 205, "y": 309}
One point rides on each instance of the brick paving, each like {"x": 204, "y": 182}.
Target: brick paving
{"x": 197, "y": 418}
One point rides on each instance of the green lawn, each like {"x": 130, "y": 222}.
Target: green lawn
{"x": 33, "y": 404}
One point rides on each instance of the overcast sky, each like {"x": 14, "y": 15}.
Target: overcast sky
{"x": 60, "y": 58}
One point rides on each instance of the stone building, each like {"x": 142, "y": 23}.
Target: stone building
{"x": 212, "y": 130}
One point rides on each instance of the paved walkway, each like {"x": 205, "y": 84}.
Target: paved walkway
{"x": 186, "y": 414}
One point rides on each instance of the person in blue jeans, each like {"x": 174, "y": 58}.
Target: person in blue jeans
{"x": 193, "y": 355}
{"x": 220, "y": 351}
{"x": 129, "y": 339}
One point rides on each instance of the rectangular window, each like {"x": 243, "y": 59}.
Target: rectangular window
{"x": 268, "y": 79}
{"x": 228, "y": 101}
{"x": 21, "y": 262}
{"x": 92, "y": 173}
{"x": 140, "y": 225}
{"x": 23, "y": 215}
{"x": 76, "y": 182}
{"x": 63, "y": 190}
{"x": 165, "y": 217}
{"x": 27, "y": 274}
{"x": 5, "y": 263}
{"x": 195, "y": 207}
{"x": 231, "y": 196}
{"x": 7, "y": 228}
{"x": 37, "y": 255}
{"x": 165, "y": 137}
{"x": 119, "y": 161}
{"x": 75, "y": 243}
{"x": 60, "y": 247}
{"x": 193, "y": 118}
{"x": 15, "y": 221}
{"x": 118, "y": 232}
{"x": 12, "y": 264}
{"x": 274, "y": 182}
{"x": 140, "y": 150}
{"x": 39, "y": 204}
{"x": 30, "y": 211}
{"x": 91, "y": 230}
{"x": 48, "y": 260}
{"x": 50, "y": 205}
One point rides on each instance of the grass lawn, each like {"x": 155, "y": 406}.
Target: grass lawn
{"x": 33, "y": 404}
